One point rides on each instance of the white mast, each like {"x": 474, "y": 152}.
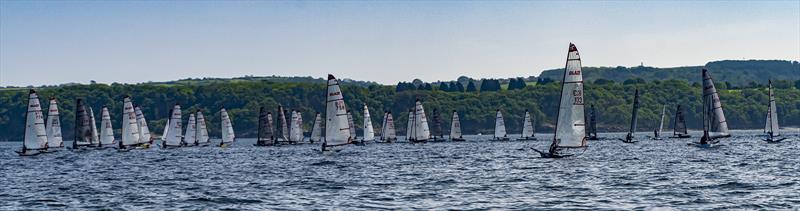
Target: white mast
{"x": 95, "y": 135}
{"x": 455, "y": 126}
{"x": 336, "y": 128}
{"x": 369, "y": 132}
{"x": 190, "y": 136}
{"x": 499, "y": 125}
{"x": 35, "y": 134}
{"x": 719, "y": 124}
{"x": 53, "y": 127}
{"x": 571, "y": 126}
{"x": 316, "y": 131}
{"x": 527, "y": 126}
{"x": 421, "y": 130}
{"x": 106, "y": 129}
{"x": 772, "y": 115}
{"x": 175, "y": 130}
{"x": 202, "y": 130}
{"x": 130, "y": 128}
{"x": 227, "y": 127}
{"x": 141, "y": 122}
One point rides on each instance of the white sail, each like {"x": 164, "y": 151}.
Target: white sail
{"x": 166, "y": 128}
{"x": 661, "y": 124}
{"x": 410, "y": 126}
{"x": 227, "y": 127}
{"x": 284, "y": 136}
{"x": 719, "y": 126}
{"x": 175, "y": 129}
{"x": 53, "y": 126}
{"x": 190, "y": 136}
{"x": 351, "y": 124}
{"x": 316, "y": 131}
{"x": 293, "y": 127}
{"x": 202, "y": 131}
{"x": 527, "y": 126}
{"x": 499, "y": 125}
{"x": 421, "y": 129}
{"x": 369, "y": 132}
{"x": 336, "y": 127}
{"x": 106, "y": 129}
{"x": 35, "y": 134}
{"x": 95, "y": 135}
{"x": 772, "y": 115}
{"x": 571, "y": 125}
{"x": 297, "y": 128}
{"x": 130, "y": 128}
{"x": 141, "y": 122}
{"x": 388, "y": 132}
{"x": 455, "y": 126}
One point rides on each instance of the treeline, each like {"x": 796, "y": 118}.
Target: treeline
{"x": 485, "y": 85}
{"x": 744, "y": 107}
{"x": 737, "y": 74}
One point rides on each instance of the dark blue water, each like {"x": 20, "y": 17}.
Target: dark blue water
{"x": 745, "y": 173}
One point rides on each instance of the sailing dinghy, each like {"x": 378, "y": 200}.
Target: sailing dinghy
{"x": 500, "y": 127}
{"x": 202, "y": 131}
{"x": 707, "y": 140}
{"x": 410, "y": 124}
{"x": 283, "y": 128}
{"x": 369, "y": 132}
{"x": 771, "y": 129}
{"x": 53, "y": 127}
{"x": 337, "y": 131}
{"x": 570, "y": 131}
{"x": 227, "y": 129}
{"x": 719, "y": 126}
{"x": 657, "y": 132}
{"x": 437, "y": 134}
{"x": 455, "y": 128}
{"x": 352, "y": 127}
{"x": 265, "y": 133}
{"x": 295, "y": 132}
{"x": 591, "y": 129}
{"x": 316, "y": 130}
{"x": 83, "y": 127}
{"x": 130, "y": 128}
{"x": 106, "y": 130}
{"x": 527, "y": 127}
{"x": 190, "y": 135}
{"x": 679, "y": 124}
{"x": 145, "y": 139}
{"x": 35, "y": 139}
{"x": 174, "y": 130}
{"x": 95, "y": 135}
{"x": 388, "y": 134}
{"x": 631, "y": 136}
{"x": 421, "y": 132}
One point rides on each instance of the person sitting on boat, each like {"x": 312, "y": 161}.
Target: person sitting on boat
{"x": 629, "y": 137}
{"x": 655, "y": 132}
{"x": 705, "y": 139}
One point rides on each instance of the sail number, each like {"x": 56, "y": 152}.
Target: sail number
{"x": 340, "y": 105}
{"x": 578, "y": 95}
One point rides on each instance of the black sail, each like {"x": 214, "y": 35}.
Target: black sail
{"x": 437, "y": 125}
{"x": 679, "y": 125}
{"x": 264, "y": 129}
{"x": 83, "y": 127}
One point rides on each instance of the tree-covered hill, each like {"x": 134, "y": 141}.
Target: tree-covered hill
{"x": 744, "y": 107}
{"x": 736, "y": 73}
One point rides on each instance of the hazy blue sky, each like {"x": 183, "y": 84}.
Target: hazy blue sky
{"x": 53, "y": 42}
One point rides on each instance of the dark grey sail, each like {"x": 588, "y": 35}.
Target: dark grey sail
{"x": 634, "y": 115}
{"x": 265, "y": 137}
{"x": 437, "y": 133}
{"x": 679, "y": 124}
{"x": 591, "y": 131}
{"x": 83, "y": 126}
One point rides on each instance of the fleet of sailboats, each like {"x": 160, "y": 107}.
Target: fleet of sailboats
{"x": 574, "y": 125}
{"x": 500, "y": 127}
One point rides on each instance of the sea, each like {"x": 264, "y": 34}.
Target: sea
{"x": 744, "y": 172}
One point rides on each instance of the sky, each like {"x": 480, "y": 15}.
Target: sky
{"x": 55, "y": 42}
